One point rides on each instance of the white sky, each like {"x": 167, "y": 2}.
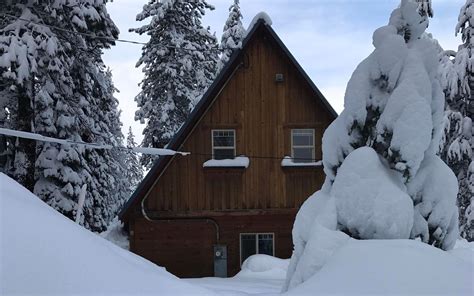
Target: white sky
{"x": 329, "y": 38}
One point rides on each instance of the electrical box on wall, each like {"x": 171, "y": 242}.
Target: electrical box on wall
{"x": 279, "y": 77}
{"x": 220, "y": 261}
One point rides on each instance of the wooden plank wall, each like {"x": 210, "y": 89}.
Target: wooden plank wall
{"x": 263, "y": 113}
{"x": 185, "y": 248}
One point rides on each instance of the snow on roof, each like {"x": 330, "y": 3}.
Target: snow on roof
{"x": 260, "y": 16}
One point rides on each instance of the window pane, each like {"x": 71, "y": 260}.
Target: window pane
{"x": 221, "y": 141}
{"x": 302, "y": 140}
{"x": 223, "y": 138}
{"x": 265, "y": 244}
{"x": 302, "y": 137}
{"x": 248, "y": 246}
{"x": 303, "y": 154}
{"x": 224, "y": 154}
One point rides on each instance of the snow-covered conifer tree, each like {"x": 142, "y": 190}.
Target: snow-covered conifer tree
{"x": 383, "y": 177}
{"x": 59, "y": 76}
{"x": 456, "y": 148}
{"x": 232, "y": 36}
{"x": 179, "y": 63}
{"x": 134, "y": 169}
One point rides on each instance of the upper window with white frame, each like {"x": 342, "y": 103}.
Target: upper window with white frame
{"x": 223, "y": 144}
{"x": 302, "y": 145}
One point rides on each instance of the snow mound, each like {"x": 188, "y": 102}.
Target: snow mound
{"x": 116, "y": 234}
{"x": 371, "y": 199}
{"x": 389, "y": 267}
{"x": 44, "y": 253}
{"x": 264, "y": 266}
{"x": 464, "y": 250}
{"x": 260, "y": 16}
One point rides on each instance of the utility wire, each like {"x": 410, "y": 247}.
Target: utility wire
{"x": 143, "y": 150}
{"x": 73, "y": 32}
{"x": 259, "y": 157}
{"x": 91, "y": 35}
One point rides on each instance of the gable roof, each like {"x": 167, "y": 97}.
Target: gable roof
{"x": 205, "y": 103}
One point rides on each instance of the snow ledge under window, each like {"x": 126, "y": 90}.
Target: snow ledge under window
{"x": 288, "y": 162}
{"x": 238, "y": 162}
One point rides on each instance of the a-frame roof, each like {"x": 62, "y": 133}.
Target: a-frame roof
{"x": 201, "y": 108}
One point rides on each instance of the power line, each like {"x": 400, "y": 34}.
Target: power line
{"x": 74, "y": 32}
{"x": 142, "y": 150}
{"x": 260, "y": 157}
{"x": 92, "y": 35}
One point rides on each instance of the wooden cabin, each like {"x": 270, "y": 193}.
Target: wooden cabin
{"x": 236, "y": 194}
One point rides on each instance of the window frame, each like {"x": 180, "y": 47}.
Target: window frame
{"x": 313, "y": 146}
{"x": 224, "y": 147}
{"x": 256, "y": 234}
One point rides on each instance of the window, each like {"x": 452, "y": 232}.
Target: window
{"x": 223, "y": 144}
{"x": 302, "y": 145}
{"x": 256, "y": 243}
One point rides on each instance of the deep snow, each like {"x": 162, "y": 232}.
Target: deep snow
{"x": 44, "y": 253}
{"x": 391, "y": 267}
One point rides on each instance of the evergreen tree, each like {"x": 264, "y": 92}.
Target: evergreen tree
{"x": 134, "y": 169}
{"x": 54, "y": 83}
{"x": 456, "y": 148}
{"x": 232, "y": 36}
{"x": 179, "y": 63}
{"x": 394, "y": 104}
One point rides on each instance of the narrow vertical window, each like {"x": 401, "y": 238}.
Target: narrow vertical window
{"x": 302, "y": 145}
{"x": 223, "y": 144}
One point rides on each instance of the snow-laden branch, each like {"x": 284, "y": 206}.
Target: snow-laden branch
{"x": 37, "y": 137}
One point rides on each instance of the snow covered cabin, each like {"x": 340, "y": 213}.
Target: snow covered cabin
{"x": 255, "y": 143}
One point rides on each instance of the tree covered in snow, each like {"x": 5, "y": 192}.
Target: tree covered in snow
{"x": 383, "y": 177}
{"x": 233, "y": 34}
{"x": 54, "y": 83}
{"x": 456, "y": 148}
{"x": 179, "y": 63}
{"x": 132, "y": 163}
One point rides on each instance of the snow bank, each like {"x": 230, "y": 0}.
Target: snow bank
{"x": 238, "y": 162}
{"x": 116, "y": 234}
{"x": 43, "y": 253}
{"x": 390, "y": 267}
{"x": 464, "y": 250}
{"x": 264, "y": 267}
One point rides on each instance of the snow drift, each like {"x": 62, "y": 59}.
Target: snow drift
{"x": 262, "y": 266}
{"x": 44, "y": 253}
{"x": 389, "y": 267}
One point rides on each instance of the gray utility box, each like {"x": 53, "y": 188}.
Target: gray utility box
{"x": 220, "y": 261}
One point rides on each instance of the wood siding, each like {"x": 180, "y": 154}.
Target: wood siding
{"x": 186, "y": 248}
{"x": 262, "y": 112}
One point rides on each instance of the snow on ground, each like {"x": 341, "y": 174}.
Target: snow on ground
{"x": 116, "y": 234}
{"x": 390, "y": 267}
{"x": 260, "y": 274}
{"x": 44, "y": 253}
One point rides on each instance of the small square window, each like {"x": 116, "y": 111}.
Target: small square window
{"x": 256, "y": 243}
{"x": 223, "y": 144}
{"x": 302, "y": 145}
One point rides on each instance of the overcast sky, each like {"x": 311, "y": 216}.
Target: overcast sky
{"x": 329, "y": 38}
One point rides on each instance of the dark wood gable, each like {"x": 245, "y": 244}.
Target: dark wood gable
{"x": 246, "y": 98}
